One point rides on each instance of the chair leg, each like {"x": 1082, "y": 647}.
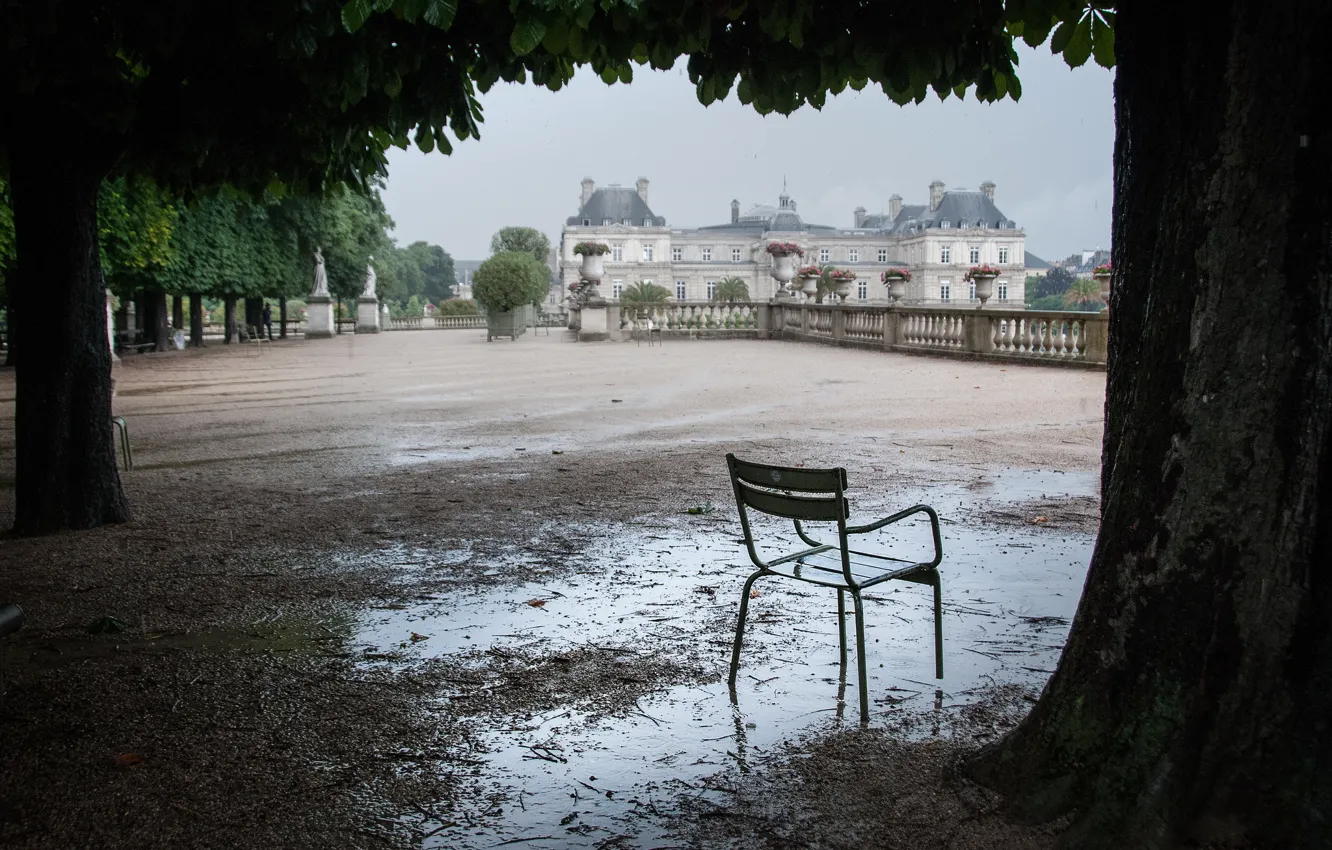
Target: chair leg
{"x": 841, "y": 622}
{"x": 860, "y": 655}
{"x": 938, "y": 627}
{"x": 740, "y": 626}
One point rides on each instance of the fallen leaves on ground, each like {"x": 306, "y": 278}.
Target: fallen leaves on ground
{"x": 417, "y": 638}
{"x": 537, "y": 603}
{"x": 1040, "y": 520}
{"x": 129, "y": 760}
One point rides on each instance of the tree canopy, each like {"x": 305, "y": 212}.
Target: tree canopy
{"x": 529, "y": 240}
{"x": 508, "y": 280}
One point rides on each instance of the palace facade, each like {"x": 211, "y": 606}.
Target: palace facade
{"x": 938, "y": 241}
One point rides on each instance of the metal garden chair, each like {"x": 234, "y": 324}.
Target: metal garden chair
{"x": 819, "y": 495}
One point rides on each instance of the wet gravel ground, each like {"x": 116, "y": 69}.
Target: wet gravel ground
{"x": 293, "y": 509}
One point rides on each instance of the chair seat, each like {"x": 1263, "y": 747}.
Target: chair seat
{"x": 823, "y": 566}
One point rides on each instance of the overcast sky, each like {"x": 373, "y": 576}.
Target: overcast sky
{"x": 1050, "y": 155}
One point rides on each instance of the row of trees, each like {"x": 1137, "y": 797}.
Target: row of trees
{"x": 1060, "y": 290}
{"x": 152, "y": 245}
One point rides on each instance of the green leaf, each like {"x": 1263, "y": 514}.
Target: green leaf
{"x": 1037, "y": 30}
{"x": 440, "y": 13}
{"x": 1079, "y": 46}
{"x": 609, "y": 75}
{"x": 527, "y": 34}
{"x": 355, "y": 14}
{"x": 425, "y": 140}
{"x": 1062, "y": 34}
{"x": 393, "y": 87}
{"x": 556, "y": 38}
{"x": 1103, "y": 42}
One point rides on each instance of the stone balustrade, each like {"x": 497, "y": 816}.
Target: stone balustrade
{"x": 693, "y": 317}
{"x": 1044, "y": 336}
{"x": 416, "y": 323}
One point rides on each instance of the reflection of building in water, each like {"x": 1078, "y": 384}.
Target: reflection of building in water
{"x": 938, "y": 241}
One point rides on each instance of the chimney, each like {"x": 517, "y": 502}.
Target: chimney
{"x": 642, "y": 185}
{"x": 936, "y": 194}
{"x": 735, "y": 211}
{"x": 894, "y": 207}
{"x": 859, "y": 216}
{"x": 987, "y": 189}
{"x": 588, "y": 188}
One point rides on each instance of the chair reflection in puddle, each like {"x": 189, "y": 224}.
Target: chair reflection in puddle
{"x": 819, "y": 495}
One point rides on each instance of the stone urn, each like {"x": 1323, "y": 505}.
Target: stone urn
{"x": 809, "y": 286}
{"x": 843, "y": 288}
{"x": 594, "y": 268}
{"x": 896, "y": 289}
{"x": 783, "y": 271}
{"x": 984, "y": 287}
{"x": 1103, "y": 280}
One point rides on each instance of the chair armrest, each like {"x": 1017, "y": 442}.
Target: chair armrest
{"x": 901, "y": 515}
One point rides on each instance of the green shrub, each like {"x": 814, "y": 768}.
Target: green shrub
{"x": 458, "y": 307}
{"x": 509, "y": 280}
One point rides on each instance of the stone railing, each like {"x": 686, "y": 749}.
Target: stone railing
{"x": 416, "y": 323}
{"x": 1045, "y": 336}
{"x": 693, "y": 316}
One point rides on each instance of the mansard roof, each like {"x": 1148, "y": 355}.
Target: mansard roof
{"x": 616, "y": 203}
{"x": 958, "y": 208}
{"x": 1032, "y": 261}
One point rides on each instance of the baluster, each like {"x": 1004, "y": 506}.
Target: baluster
{"x": 1080, "y": 341}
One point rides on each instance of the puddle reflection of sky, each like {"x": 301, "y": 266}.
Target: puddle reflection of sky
{"x": 1008, "y": 596}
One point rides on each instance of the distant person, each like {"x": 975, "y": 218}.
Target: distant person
{"x": 268, "y": 320}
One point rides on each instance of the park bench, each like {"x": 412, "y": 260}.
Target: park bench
{"x": 11, "y": 620}
{"x": 819, "y": 495}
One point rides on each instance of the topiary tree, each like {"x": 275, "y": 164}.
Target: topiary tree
{"x": 509, "y": 280}
{"x": 528, "y": 240}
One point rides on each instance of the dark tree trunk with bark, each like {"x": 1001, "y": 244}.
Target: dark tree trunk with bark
{"x": 65, "y": 461}
{"x": 177, "y": 314}
{"x": 254, "y": 314}
{"x": 1193, "y": 702}
{"x": 161, "y": 334}
{"x": 282, "y": 316}
{"x": 196, "y": 319}
{"x": 9, "y": 321}
{"x": 229, "y": 318}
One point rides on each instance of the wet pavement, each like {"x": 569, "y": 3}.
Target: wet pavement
{"x": 601, "y": 675}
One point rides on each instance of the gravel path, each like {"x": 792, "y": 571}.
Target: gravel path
{"x": 271, "y": 489}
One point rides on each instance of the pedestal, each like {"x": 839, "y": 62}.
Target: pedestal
{"x": 319, "y": 317}
{"x": 367, "y": 315}
{"x": 593, "y": 326}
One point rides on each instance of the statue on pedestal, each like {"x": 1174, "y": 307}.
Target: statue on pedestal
{"x": 321, "y": 276}
{"x": 370, "y": 278}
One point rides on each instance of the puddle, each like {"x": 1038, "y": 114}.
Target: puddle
{"x": 563, "y": 770}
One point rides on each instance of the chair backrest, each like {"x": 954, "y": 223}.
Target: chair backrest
{"x": 790, "y": 492}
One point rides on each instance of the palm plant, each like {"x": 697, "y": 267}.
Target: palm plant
{"x": 1083, "y": 294}
{"x": 730, "y": 289}
{"x": 826, "y": 284}
{"x": 644, "y": 294}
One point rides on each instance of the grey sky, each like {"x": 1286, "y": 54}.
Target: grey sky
{"x": 1050, "y": 155}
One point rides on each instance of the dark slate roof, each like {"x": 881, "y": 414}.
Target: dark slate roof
{"x": 615, "y": 203}
{"x": 958, "y": 208}
{"x": 1032, "y": 261}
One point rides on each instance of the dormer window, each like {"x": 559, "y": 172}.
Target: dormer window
{"x": 946, "y": 225}
{"x": 587, "y": 222}
{"x": 647, "y": 222}
{"x": 605, "y": 222}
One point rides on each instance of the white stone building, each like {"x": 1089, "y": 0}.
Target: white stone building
{"x": 937, "y": 241}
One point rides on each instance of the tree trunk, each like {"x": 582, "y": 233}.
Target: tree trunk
{"x": 254, "y": 314}
{"x": 65, "y": 460}
{"x": 161, "y": 333}
{"x": 1193, "y": 699}
{"x": 9, "y": 322}
{"x": 282, "y": 316}
{"x": 196, "y": 319}
{"x": 177, "y": 314}
{"x": 229, "y": 318}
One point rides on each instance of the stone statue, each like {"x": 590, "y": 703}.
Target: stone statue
{"x": 321, "y": 276}
{"x": 370, "y": 278}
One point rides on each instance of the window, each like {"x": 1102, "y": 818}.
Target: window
{"x": 712, "y": 289}
{"x": 1002, "y": 290}
{"x": 1003, "y": 256}
{"x": 853, "y": 256}
{"x": 883, "y": 255}
{"x": 735, "y": 255}
{"x": 679, "y": 290}
{"x": 628, "y": 222}
{"x": 945, "y": 254}
{"x": 647, "y": 253}
{"x": 707, "y": 255}
{"x": 945, "y": 291}
{"x": 677, "y": 254}
{"x": 605, "y": 222}
{"x": 824, "y": 255}
{"x": 971, "y": 291}
{"x": 586, "y": 222}
{"x": 946, "y": 225}
{"x": 862, "y": 290}
{"x": 617, "y": 253}
{"x": 617, "y": 286}
{"x": 983, "y": 225}
{"x": 647, "y": 222}
{"x": 975, "y": 255}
